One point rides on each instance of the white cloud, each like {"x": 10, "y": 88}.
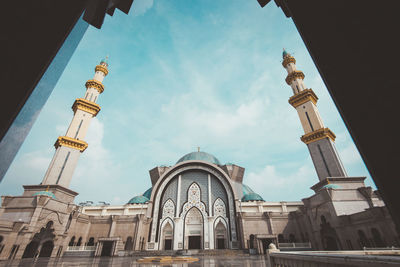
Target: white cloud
{"x": 139, "y": 7}
{"x": 271, "y": 181}
{"x": 350, "y": 155}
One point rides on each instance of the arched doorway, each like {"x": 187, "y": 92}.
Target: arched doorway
{"x": 72, "y": 241}
{"x": 31, "y": 249}
{"x": 129, "y": 244}
{"x": 329, "y": 238}
{"x": 47, "y": 248}
{"x": 220, "y": 236}
{"x": 91, "y": 242}
{"x": 363, "y": 239}
{"x": 193, "y": 229}
{"x": 167, "y": 236}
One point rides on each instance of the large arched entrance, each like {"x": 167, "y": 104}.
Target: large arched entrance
{"x": 193, "y": 229}
{"x": 42, "y": 243}
{"x": 167, "y": 236}
{"x": 221, "y": 236}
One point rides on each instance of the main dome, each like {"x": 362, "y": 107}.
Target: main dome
{"x": 199, "y": 156}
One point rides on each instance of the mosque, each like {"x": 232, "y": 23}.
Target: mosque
{"x": 197, "y": 204}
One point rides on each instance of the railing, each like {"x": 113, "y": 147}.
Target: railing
{"x": 295, "y": 245}
{"x": 377, "y": 258}
{"x": 81, "y": 248}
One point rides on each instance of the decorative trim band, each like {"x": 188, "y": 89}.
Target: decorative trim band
{"x": 71, "y": 142}
{"x": 96, "y": 85}
{"x": 86, "y": 105}
{"x": 287, "y": 60}
{"x": 102, "y": 69}
{"x": 318, "y": 135}
{"x": 296, "y": 74}
{"x": 303, "y": 97}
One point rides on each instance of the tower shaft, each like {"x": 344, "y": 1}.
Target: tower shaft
{"x": 318, "y": 138}
{"x": 70, "y": 146}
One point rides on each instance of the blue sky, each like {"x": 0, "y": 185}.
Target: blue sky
{"x": 186, "y": 74}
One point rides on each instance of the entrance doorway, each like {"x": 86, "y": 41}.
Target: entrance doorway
{"x": 193, "y": 229}
{"x": 194, "y": 242}
{"x": 107, "y": 248}
{"x": 220, "y": 235}
{"x": 220, "y": 243}
{"x": 168, "y": 244}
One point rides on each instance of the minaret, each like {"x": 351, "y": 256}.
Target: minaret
{"x": 70, "y": 146}
{"x": 318, "y": 138}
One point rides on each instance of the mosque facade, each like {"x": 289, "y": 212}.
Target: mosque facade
{"x": 196, "y": 204}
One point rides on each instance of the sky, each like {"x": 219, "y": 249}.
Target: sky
{"x": 186, "y": 74}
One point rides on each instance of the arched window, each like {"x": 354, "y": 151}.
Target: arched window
{"x": 129, "y": 243}
{"x": 281, "y": 238}
{"x": 363, "y": 239}
{"x": 91, "y": 242}
{"x": 377, "y": 238}
{"x": 292, "y": 238}
{"x": 78, "y": 244}
{"x": 72, "y": 241}
{"x": 251, "y": 245}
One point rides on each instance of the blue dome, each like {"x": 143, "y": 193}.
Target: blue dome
{"x": 199, "y": 156}
{"x": 138, "y": 200}
{"x": 250, "y": 195}
{"x": 332, "y": 186}
{"x": 148, "y": 193}
{"x": 45, "y": 193}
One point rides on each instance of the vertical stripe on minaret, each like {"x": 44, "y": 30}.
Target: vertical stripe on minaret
{"x": 319, "y": 140}
{"x": 70, "y": 146}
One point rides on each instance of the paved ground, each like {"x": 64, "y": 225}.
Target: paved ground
{"x": 213, "y": 261}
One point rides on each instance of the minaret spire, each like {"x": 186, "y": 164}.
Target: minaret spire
{"x": 70, "y": 146}
{"x": 319, "y": 140}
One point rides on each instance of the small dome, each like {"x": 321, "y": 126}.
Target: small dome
{"x": 45, "y": 193}
{"x": 199, "y": 156}
{"x": 284, "y": 54}
{"x": 138, "y": 200}
{"x": 250, "y": 195}
{"x": 332, "y": 186}
{"x": 104, "y": 61}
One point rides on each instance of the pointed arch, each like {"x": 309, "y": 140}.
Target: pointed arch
{"x": 168, "y": 209}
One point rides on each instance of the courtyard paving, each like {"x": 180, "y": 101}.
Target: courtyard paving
{"x": 240, "y": 260}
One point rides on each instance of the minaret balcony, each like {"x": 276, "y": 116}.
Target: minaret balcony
{"x": 318, "y": 135}
{"x": 86, "y": 105}
{"x": 101, "y": 68}
{"x": 96, "y": 85}
{"x": 303, "y": 97}
{"x": 297, "y": 74}
{"x": 287, "y": 60}
{"x": 71, "y": 142}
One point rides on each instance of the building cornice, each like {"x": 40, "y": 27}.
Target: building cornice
{"x": 86, "y": 105}
{"x": 287, "y": 60}
{"x": 296, "y": 74}
{"x": 303, "y": 97}
{"x": 95, "y": 84}
{"x": 71, "y": 142}
{"x": 102, "y": 69}
{"x": 318, "y": 135}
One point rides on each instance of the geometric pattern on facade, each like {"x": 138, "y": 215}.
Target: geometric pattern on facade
{"x": 219, "y": 208}
{"x": 168, "y": 209}
{"x": 194, "y": 200}
{"x": 201, "y": 179}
